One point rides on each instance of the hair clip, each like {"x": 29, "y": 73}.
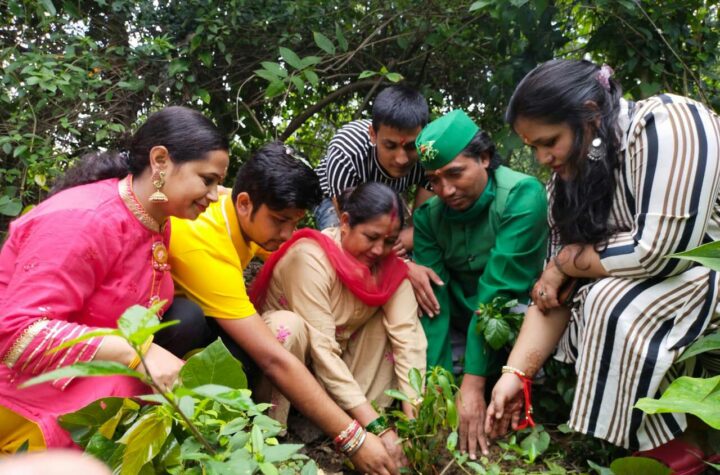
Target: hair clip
{"x": 604, "y": 75}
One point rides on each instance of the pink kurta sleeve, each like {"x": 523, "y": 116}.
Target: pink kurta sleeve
{"x": 49, "y": 267}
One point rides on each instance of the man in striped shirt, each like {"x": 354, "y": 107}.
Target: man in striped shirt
{"x": 381, "y": 149}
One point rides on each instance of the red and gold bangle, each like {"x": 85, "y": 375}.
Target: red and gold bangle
{"x": 527, "y": 389}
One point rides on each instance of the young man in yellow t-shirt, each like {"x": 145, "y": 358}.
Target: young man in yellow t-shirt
{"x": 272, "y": 192}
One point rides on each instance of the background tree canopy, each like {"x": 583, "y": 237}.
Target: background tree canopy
{"x": 80, "y": 74}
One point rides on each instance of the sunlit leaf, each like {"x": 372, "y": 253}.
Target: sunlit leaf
{"x": 91, "y": 368}
{"x": 697, "y": 396}
{"x": 213, "y": 365}
{"x": 707, "y": 343}
{"x": 144, "y": 439}
{"x": 366, "y": 74}
{"x": 497, "y": 333}
{"x": 395, "y": 394}
{"x": 707, "y": 255}
{"x": 637, "y": 465}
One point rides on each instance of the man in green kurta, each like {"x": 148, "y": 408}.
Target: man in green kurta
{"x": 484, "y": 234}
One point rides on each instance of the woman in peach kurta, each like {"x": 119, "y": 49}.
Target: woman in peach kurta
{"x": 356, "y": 324}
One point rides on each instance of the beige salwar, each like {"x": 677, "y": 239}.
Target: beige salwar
{"x": 355, "y": 351}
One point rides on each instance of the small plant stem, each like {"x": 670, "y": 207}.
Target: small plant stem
{"x": 196, "y": 433}
{"x": 447, "y": 467}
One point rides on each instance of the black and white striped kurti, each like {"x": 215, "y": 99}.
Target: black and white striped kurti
{"x": 351, "y": 159}
{"x": 627, "y": 330}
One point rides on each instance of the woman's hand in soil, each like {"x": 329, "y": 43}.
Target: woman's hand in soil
{"x": 422, "y": 278}
{"x": 372, "y": 458}
{"x": 505, "y": 406}
{"x": 471, "y": 408}
{"x": 162, "y": 366}
{"x": 394, "y": 448}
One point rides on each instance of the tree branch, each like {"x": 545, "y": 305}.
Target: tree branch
{"x": 300, "y": 119}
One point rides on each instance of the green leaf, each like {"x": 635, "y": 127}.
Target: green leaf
{"x": 290, "y": 57}
{"x": 340, "y": 37}
{"x": 267, "y": 75}
{"x": 312, "y": 77}
{"x": 275, "y": 88}
{"x": 85, "y": 337}
{"x": 275, "y": 68}
{"x": 91, "y": 368}
{"x": 497, "y": 333}
{"x": 137, "y": 323}
{"x": 395, "y": 394}
{"x": 298, "y": 82}
{"x": 394, "y": 77}
{"x": 257, "y": 440}
{"x": 19, "y": 150}
{"x": 367, "y": 74}
{"x": 10, "y": 207}
{"x": 83, "y": 423}
{"x": 177, "y": 66}
{"x": 707, "y": 255}
{"x": 49, "y": 7}
{"x": 204, "y": 95}
{"x": 518, "y": 3}
{"x": 266, "y": 468}
{"x": 416, "y": 380}
{"x": 479, "y": 5}
{"x": 144, "y": 439}
{"x": 697, "y": 396}
{"x": 535, "y": 444}
{"x": 636, "y": 465}
{"x": 599, "y": 469}
{"x": 280, "y": 453}
{"x": 452, "y": 414}
{"x": 310, "y": 61}
{"x": 310, "y": 468}
{"x": 213, "y": 365}
{"x": 707, "y": 343}
{"x": 324, "y": 42}
{"x": 32, "y": 80}
{"x": 452, "y": 440}
{"x": 7, "y": 148}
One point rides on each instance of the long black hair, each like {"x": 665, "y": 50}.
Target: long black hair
{"x": 368, "y": 201}
{"x": 187, "y": 134}
{"x": 576, "y": 93}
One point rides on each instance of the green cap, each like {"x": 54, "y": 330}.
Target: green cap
{"x": 443, "y": 139}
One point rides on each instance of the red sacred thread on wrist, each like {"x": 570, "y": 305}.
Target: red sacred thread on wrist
{"x": 527, "y": 392}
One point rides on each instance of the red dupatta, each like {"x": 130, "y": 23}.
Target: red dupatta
{"x": 373, "y": 290}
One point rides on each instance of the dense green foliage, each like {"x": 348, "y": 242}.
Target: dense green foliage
{"x": 207, "y": 424}
{"x": 79, "y": 74}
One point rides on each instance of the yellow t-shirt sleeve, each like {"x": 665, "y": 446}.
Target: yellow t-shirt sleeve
{"x": 216, "y": 285}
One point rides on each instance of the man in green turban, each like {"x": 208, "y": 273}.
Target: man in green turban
{"x": 485, "y": 235}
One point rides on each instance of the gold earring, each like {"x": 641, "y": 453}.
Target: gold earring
{"x": 158, "y": 181}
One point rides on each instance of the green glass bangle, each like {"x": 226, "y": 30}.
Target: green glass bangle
{"x": 377, "y": 426}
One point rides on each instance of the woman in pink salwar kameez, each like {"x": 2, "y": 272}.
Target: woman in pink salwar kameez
{"x": 78, "y": 260}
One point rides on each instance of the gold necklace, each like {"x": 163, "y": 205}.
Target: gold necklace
{"x": 158, "y": 251}
{"x": 136, "y": 208}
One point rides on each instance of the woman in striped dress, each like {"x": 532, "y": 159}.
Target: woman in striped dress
{"x": 632, "y": 183}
